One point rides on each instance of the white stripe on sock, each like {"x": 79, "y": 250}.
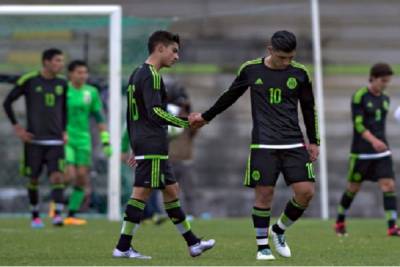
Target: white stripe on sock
{"x": 263, "y": 241}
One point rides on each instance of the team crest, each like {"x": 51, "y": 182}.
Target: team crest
{"x": 370, "y": 105}
{"x": 59, "y": 90}
{"x": 87, "y": 98}
{"x": 386, "y": 105}
{"x": 39, "y": 89}
{"x": 256, "y": 175}
{"x": 291, "y": 83}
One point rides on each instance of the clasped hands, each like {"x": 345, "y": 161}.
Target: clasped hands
{"x": 196, "y": 121}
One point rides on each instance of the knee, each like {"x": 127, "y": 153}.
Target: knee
{"x": 353, "y": 187}
{"x": 388, "y": 186}
{"x": 305, "y": 195}
{"x": 56, "y": 178}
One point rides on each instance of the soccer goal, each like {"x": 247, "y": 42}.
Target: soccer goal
{"x": 114, "y": 14}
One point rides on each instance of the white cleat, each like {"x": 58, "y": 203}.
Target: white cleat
{"x": 130, "y": 253}
{"x": 197, "y": 249}
{"x": 265, "y": 254}
{"x": 280, "y": 244}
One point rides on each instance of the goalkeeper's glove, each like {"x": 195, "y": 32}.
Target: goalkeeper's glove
{"x": 105, "y": 141}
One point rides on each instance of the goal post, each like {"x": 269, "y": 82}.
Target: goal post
{"x": 323, "y": 170}
{"x": 115, "y": 49}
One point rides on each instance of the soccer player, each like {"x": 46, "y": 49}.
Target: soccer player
{"x": 83, "y": 102}
{"x": 147, "y": 122}
{"x": 370, "y": 158}
{"x": 277, "y": 84}
{"x": 45, "y": 135}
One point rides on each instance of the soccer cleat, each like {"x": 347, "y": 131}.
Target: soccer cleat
{"x": 74, "y": 221}
{"x": 197, "y": 249}
{"x": 130, "y": 253}
{"x": 280, "y": 244}
{"x": 37, "y": 223}
{"x": 58, "y": 220}
{"x": 265, "y": 254}
{"x": 340, "y": 229}
{"x": 394, "y": 231}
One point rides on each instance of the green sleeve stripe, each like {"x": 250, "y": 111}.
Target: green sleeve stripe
{"x": 317, "y": 136}
{"x": 26, "y": 77}
{"x": 170, "y": 118}
{"x": 261, "y": 213}
{"x": 358, "y": 124}
{"x": 301, "y": 66}
{"x": 247, "y": 63}
{"x": 172, "y": 205}
{"x": 138, "y": 204}
{"x": 156, "y": 78}
{"x": 359, "y": 94}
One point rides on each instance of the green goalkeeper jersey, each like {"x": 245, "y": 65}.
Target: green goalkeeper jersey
{"x": 82, "y": 103}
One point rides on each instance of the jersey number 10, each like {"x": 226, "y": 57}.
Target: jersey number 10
{"x": 275, "y": 96}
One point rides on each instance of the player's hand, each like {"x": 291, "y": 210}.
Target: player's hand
{"x": 23, "y": 134}
{"x": 65, "y": 137}
{"x": 196, "y": 121}
{"x": 131, "y": 161}
{"x": 379, "y": 146}
{"x": 313, "y": 151}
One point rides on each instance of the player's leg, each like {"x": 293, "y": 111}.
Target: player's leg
{"x": 78, "y": 160}
{"x": 77, "y": 196}
{"x": 131, "y": 221}
{"x": 299, "y": 174}
{"x": 261, "y": 215}
{"x": 134, "y": 211}
{"x": 31, "y": 167}
{"x": 384, "y": 174}
{"x": 175, "y": 212}
{"x": 261, "y": 174}
{"x": 348, "y": 196}
{"x": 55, "y": 170}
{"x": 388, "y": 187}
{"x": 358, "y": 171}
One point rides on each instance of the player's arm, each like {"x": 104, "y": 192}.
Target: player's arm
{"x": 15, "y": 93}
{"x": 236, "y": 90}
{"x": 358, "y": 122}
{"x": 65, "y": 114}
{"x": 152, "y": 99}
{"x": 96, "y": 110}
{"x": 307, "y": 103}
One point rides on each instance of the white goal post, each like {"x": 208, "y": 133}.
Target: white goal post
{"x": 115, "y": 49}
{"x": 323, "y": 170}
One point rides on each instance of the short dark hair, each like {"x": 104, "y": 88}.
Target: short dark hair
{"x": 380, "y": 70}
{"x": 283, "y": 41}
{"x": 75, "y": 64}
{"x": 48, "y": 54}
{"x": 163, "y": 37}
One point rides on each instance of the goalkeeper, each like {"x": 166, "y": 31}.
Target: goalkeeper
{"x": 83, "y": 101}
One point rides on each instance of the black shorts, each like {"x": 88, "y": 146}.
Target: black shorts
{"x": 154, "y": 173}
{"x": 265, "y": 165}
{"x": 369, "y": 169}
{"x": 35, "y": 156}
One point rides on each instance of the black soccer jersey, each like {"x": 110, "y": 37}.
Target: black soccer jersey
{"x": 275, "y": 95}
{"x": 147, "y": 119}
{"x": 368, "y": 113}
{"x": 45, "y": 101}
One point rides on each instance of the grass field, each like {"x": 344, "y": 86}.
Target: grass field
{"x": 312, "y": 242}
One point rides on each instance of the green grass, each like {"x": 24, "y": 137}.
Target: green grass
{"x": 312, "y": 242}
